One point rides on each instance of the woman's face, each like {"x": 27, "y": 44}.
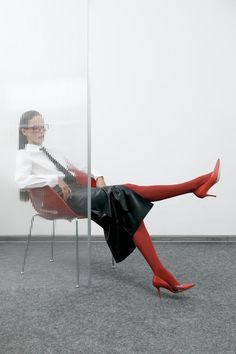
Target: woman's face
{"x": 35, "y": 130}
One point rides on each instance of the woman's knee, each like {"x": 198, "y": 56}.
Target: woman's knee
{"x": 134, "y": 187}
{"x": 130, "y": 185}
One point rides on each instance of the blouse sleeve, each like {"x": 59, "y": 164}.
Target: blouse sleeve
{"x": 94, "y": 173}
{"x": 23, "y": 174}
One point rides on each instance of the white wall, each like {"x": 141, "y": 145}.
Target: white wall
{"x": 163, "y": 82}
{"x": 163, "y": 104}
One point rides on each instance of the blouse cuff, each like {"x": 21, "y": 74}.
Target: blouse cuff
{"x": 53, "y": 180}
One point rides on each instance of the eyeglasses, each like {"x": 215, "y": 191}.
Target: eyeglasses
{"x": 39, "y": 128}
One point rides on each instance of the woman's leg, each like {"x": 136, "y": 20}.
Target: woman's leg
{"x": 141, "y": 237}
{"x": 160, "y": 192}
{"x": 144, "y": 243}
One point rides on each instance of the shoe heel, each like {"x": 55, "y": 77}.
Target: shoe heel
{"x": 160, "y": 283}
{"x": 201, "y": 191}
{"x": 159, "y": 292}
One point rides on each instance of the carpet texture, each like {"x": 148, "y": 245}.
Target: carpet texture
{"x": 43, "y": 312}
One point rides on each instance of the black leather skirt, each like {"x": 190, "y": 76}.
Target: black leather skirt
{"x": 117, "y": 209}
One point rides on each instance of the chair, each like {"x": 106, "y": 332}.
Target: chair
{"x": 51, "y": 206}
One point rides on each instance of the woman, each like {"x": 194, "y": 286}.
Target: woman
{"x": 118, "y": 209}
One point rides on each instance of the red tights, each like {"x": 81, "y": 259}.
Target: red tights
{"x": 142, "y": 238}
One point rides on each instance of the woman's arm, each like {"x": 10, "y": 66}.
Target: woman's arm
{"x": 100, "y": 182}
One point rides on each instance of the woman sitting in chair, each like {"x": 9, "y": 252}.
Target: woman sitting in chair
{"x": 118, "y": 209}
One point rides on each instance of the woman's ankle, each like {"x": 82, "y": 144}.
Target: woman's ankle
{"x": 199, "y": 181}
{"x": 167, "y": 276}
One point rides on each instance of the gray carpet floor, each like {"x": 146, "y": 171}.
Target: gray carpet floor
{"x": 43, "y": 312}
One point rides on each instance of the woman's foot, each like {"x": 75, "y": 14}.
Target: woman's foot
{"x": 201, "y": 192}
{"x": 175, "y": 285}
{"x": 158, "y": 283}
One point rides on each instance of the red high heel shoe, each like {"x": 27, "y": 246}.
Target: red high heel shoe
{"x": 201, "y": 191}
{"x": 161, "y": 283}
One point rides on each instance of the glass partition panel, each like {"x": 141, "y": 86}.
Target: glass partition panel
{"x": 44, "y": 92}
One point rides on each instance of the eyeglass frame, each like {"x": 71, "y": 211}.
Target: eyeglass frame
{"x": 38, "y": 128}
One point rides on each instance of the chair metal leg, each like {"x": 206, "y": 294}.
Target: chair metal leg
{"x": 113, "y": 263}
{"x": 28, "y": 240}
{"x": 77, "y": 254}
{"x": 52, "y": 240}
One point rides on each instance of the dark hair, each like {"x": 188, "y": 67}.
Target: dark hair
{"x": 24, "y": 120}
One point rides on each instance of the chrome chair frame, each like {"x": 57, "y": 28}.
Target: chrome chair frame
{"x": 52, "y": 243}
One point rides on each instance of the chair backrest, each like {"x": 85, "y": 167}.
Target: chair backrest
{"x": 50, "y": 205}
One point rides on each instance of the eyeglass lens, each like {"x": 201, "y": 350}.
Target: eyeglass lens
{"x": 40, "y": 127}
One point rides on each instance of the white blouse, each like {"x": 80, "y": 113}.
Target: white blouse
{"x": 35, "y": 169}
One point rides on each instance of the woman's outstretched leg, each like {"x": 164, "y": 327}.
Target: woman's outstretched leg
{"x": 160, "y": 192}
{"x": 199, "y": 186}
{"x": 143, "y": 242}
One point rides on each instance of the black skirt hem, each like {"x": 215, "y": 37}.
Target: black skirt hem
{"x": 118, "y": 210}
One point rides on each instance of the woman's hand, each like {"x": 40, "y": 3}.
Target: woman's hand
{"x": 100, "y": 182}
{"x": 66, "y": 191}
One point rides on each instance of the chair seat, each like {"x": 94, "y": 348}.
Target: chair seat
{"x": 50, "y": 205}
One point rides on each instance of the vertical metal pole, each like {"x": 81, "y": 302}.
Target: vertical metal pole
{"x": 77, "y": 254}
{"x": 88, "y": 149}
